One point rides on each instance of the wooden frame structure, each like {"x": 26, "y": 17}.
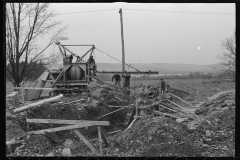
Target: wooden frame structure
{"x": 73, "y": 124}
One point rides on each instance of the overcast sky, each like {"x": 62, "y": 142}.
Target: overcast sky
{"x": 174, "y": 34}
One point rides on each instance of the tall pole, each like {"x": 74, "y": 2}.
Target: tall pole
{"x": 123, "y": 54}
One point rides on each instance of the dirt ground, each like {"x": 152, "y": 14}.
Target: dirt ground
{"x": 156, "y": 136}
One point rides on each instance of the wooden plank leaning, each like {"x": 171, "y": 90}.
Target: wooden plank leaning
{"x": 181, "y": 99}
{"x": 86, "y": 142}
{"x": 131, "y": 123}
{"x": 60, "y": 121}
{"x": 114, "y": 111}
{"x": 81, "y": 125}
{"x": 21, "y": 109}
{"x": 165, "y": 114}
{"x": 100, "y": 140}
{"x": 104, "y": 138}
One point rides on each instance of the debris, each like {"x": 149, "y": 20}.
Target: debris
{"x": 66, "y": 152}
{"x": 12, "y": 145}
{"x": 50, "y": 154}
{"x": 208, "y": 133}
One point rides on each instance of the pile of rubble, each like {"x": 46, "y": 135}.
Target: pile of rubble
{"x": 213, "y": 136}
{"x": 208, "y": 130}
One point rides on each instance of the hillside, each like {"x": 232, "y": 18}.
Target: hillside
{"x": 162, "y": 68}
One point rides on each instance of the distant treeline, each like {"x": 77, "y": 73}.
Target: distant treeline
{"x": 192, "y": 75}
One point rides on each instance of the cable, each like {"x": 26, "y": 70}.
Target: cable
{"x": 119, "y": 60}
{"x": 88, "y": 11}
{"x": 186, "y": 12}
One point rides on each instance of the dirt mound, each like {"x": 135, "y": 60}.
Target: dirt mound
{"x": 212, "y": 136}
{"x": 224, "y": 101}
{"x": 180, "y": 93}
{"x": 153, "y": 137}
{"x": 13, "y": 130}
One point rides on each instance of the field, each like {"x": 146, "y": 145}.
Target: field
{"x": 193, "y": 86}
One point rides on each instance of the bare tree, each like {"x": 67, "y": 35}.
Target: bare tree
{"x": 228, "y": 63}
{"x": 25, "y": 24}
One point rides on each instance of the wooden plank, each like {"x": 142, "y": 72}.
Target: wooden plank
{"x": 86, "y": 142}
{"x": 60, "y": 121}
{"x": 128, "y": 72}
{"x": 33, "y": 88}
{"x": 131, "y": 123}
{"x": 179, "y": 106}
{"x": 115, "y": 132}
{"x": 21, "y": 109}
{"x": 111, "y": 106}
{"x": 81, "y": 125}
{"x": 100, "y": 140}
{"x": 113, "y": 112}
{"x": 60, "y": 74}
{"x": 50, "y": 89}
{"x": 181, "y": 99}
{"x": 104, "y": 137}
{"x": 165, "y": 114}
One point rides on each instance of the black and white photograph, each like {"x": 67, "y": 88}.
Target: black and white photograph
{"x": 120, "y": 79}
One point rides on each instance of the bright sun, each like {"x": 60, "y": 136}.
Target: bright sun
{"x": 199, "y": 47}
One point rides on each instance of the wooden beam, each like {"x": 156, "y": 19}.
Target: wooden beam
{"x": 104, "y": 137}
{"x": 33, "y": 88}
{"x": 165, "y": 114}
{"x": 81, "y": 125}
{"x": 181, "y": 99}
{"x": 113, "y": 112}
{"x": 100, "y": 140}
{"x": 128, "y": 72}
{"x": 21, "y": 109}
{"x": 131, "y": 123}
{"x": 179, "y": 106}
{"x": 60, "y": 121}
{"x": 115, "y": 132}
{"x": 86, "y": 142}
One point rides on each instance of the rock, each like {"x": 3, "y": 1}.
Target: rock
{"x": 208, "y": 133}
{"x": 50, "y": 154}
{"x": 11, "y": 146}
{"x": 73, "y": 146}
{"x": 70, "y": 144}
{"x": 66, "y": 152}
{"x": 53, "y": 137}
{"x": 181, "y": 119}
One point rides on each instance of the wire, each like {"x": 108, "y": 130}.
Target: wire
{"x": 187, "y": 12}
{"x": 87, "y": 11}
{"x": 129, "y": 65}
{"x": 167, "y": 11}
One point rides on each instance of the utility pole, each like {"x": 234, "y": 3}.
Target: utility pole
{"x": 126, "y": 78}
{"x": 123, "y": 54}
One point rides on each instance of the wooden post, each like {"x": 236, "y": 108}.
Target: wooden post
{"x": 104, "y": 138}
{"x": 86, "y": 142}
{"x": 23, "y": 95}
{"x": 136, "y": 106}
{"x": 100, "y": 140}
